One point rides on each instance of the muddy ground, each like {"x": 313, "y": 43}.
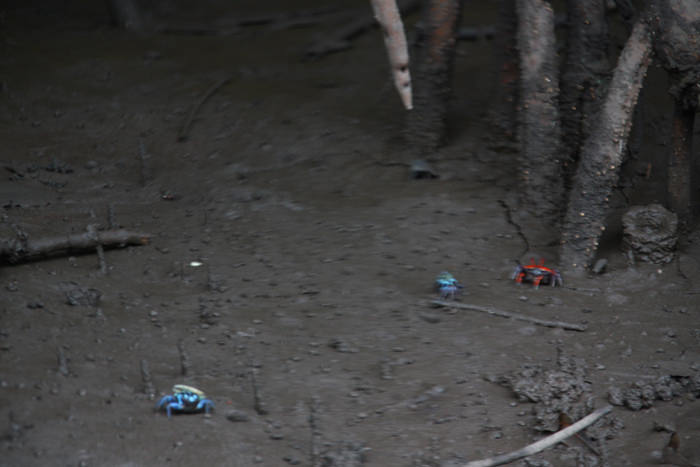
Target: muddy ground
{"x": 309, "y": 322}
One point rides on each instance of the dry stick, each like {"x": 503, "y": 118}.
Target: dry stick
{"x": 184, "y": 358}
{"x": 507, "y": 314}
{"x": 544, "y": 443}
{"x": 24, "y": 249}
{"x": 148, "y": 387}
{"x": 184, "y": 132}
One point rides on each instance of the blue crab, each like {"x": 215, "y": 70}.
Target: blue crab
{"x": 185, "y": 399}
{"x": 447, "y": 285}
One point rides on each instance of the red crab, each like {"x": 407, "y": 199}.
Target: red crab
{"x": 537, "y": 274}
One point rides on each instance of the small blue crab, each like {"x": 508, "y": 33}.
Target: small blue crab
{"x": 185, "y": 399}
{"x": 447, "y": 285}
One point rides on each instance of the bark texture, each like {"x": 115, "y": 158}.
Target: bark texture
{"x": 506, "y": 46}
{"x": 676, "y": 26}
{"x": 426, "y": 127}
{"x": 680, "y": 164}
{"x": 601, "y": 156}
{"x": 542, "y": 189}
{"x": 585, "y": 76}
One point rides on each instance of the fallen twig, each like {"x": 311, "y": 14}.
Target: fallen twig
{"x": 507, "y": 314}
{"x": 185, "y": 130}
{"x": 544, "y": 443}
{"x": 22, "y": 248}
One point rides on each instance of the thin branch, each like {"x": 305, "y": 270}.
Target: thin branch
{"x": 185, "y": 130}
{"x": 544, "y": 443}
{"x": 508, "y": 314}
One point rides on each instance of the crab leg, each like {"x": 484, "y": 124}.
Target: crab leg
{"x": 388, "y": 17}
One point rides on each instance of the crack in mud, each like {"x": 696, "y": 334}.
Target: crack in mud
{"x": 517, "y": 228}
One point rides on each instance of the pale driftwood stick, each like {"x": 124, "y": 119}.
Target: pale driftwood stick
{"x": 544, "y": 443}
{"x": 508, "y": 314}
{"x": 387, "y": 14}
{"x": 20, "y": 249}
{"x": 148, "y": 387}
{"x": 185, "y": 130}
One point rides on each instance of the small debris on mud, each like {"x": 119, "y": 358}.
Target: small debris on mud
{"x": 420, "y": 169}
{"x": 564, "y": 390}
{"x": 81, "y": 296}
{"x": 344, "y": 454}
{"x": 234, "y": 415}
{"x": 643, "y": 394}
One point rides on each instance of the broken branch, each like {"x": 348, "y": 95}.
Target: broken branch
{"x": 544, "y": 443}
{"x": 21, "y": 249}
{"x": 508, "y": 314}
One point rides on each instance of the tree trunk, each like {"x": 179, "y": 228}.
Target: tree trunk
{"x": 676, "y": 26}
{"x": 680, "y": 164}
{"x": 506, "y": 92}
{"x": 542, "y": 190}
{"x": 601, "y": 156}
{"x": 434, "y": 57}
{"x": 585, "y": 76}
